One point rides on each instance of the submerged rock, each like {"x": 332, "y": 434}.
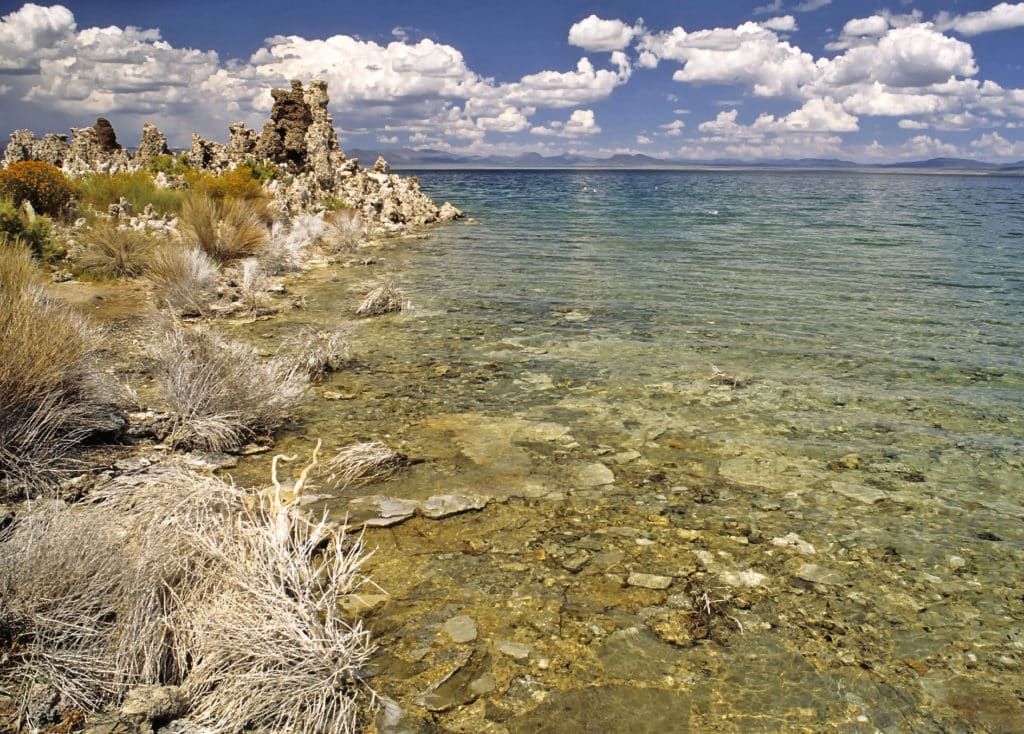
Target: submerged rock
{"x": 460, "y": 629}
{"x": 649, "y": 580}
{"x": 595, "y": 475}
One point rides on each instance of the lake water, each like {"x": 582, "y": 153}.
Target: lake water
{"x": 798, "y": 395}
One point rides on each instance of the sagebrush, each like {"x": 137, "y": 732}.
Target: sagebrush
{"x": 172, "y": 578}
{"x": 52, "y": 396}
{"x": 221, "y": 392}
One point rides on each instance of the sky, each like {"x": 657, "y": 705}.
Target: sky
{"x": 738, "y": 79}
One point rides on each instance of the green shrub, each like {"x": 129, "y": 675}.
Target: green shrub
{"x": 263, "y": 171}
{"x": 33, "y": 233}
{"x": 333, "y": 204}
{"x": 167, "y": 163}
{"x": 42, "y": 185}
{"x": 100, "y": 190}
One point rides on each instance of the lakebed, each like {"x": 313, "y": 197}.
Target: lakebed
{"x": 747, "y": 497}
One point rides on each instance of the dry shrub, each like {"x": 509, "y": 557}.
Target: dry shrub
{"x": 363, "y": 463}
{"x": 252, "y": 287}
{"x": 320, "y": 352}
{"x": 184, "y": 278}
{"x": 287, "y": 248}
{"x": 381, "y": 300}
{"x": 226, "y": 229}
{"x": 110, "y": 251}
{"x": 51, "y": 396}
{"x": 222, "y": 393}
{"x": 343, "y": 231}
{"x": 173, "y": 578}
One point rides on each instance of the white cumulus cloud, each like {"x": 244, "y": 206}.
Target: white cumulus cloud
{"x": 597, "y": 34}
{"x": 997, "y": 18}
{"x": 580, "y": 122}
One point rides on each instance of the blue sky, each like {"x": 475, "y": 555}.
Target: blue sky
{"x": 758, "y": 79}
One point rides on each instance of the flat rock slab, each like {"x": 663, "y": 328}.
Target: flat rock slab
{"x": 595, "y": 475}
{"x": 378, "y": 511}
{"x": 514, "y": 650}
{"x": 859, "y": 492}
{"x": 649, "y": 581}
{"x": 212, "y": 461}
{"x": 445, "y": 505}
{"x": 461, "y": 629}
{"x": 744, "y": 578}
{"x": 819, "y": 575}
{"x": 608, "y": 709}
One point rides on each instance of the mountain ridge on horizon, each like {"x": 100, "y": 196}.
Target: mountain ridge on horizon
{"x": 413, "y": 157}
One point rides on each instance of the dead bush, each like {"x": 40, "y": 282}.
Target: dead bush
{"x": 320, "y": 352}
{"x": 110, "y": 251}
{"x": 172, "y": 578}
{"x": 363, "y": 463}
{"x": 382, "y": 299}
{"x": 52, "y": 397}
{"x": 222, "y": 392}
{"x": 184, "y": 279}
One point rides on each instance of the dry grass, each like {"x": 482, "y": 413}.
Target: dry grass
{"x": 320, "y": 352}
{"x": 288, "y": 246}
{"x": 169, "y": 577}
{"x": 344, "y": 230}
{"x": 252, "y": 287}
{"x": 184, "y": 278}
{"x": 363, "y": 463}
{"x": 110, "y": 251}
{"x": 225, "y": 229}
{"x": 222, "y": 393}
{"x": 381, "y": 300}
{"x": 51, "y": 396}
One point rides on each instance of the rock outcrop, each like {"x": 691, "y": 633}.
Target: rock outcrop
{"x": 24, "y": 146}
{"x": 299, "y": 138}
{"x": 153, "y": 144}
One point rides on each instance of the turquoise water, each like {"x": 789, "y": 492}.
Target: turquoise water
{"x": 888, "y": 307}
{"x": 849, "y": 495}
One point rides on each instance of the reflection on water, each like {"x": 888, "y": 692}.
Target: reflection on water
{"x": 798, "y": 397}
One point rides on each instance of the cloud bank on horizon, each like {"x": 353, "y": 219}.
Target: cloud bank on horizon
{"x": 886, "y": 86}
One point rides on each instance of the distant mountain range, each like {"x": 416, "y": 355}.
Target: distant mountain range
{"x": 429, "y": 158}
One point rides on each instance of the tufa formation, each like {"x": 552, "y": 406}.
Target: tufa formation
{"x": 299, "y": 137}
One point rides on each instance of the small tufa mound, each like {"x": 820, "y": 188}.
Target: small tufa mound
{"x": 320, "y": 352}
{"x": 363, "y": 463}
{"x": 382, "y": 300}
{"x": 223, "y": 394}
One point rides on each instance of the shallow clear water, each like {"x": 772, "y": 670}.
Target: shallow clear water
{"x": 876, "y": 314}
{"x": 875, "y": 324}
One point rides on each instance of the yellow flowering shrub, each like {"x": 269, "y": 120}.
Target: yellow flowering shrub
{"x": 44, "y": 186}
{"x": 240, "y": 183}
